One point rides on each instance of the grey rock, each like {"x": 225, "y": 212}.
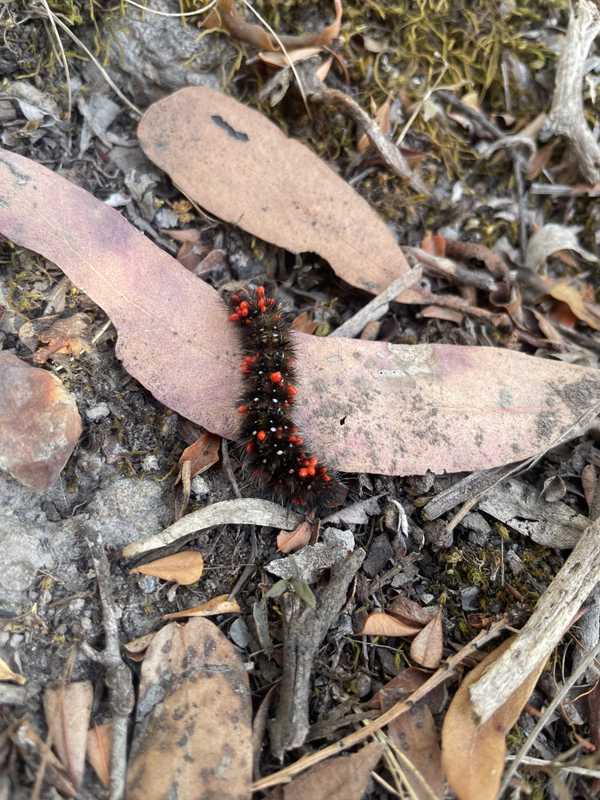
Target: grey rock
{"x": 200, "y": 487}
{"x": 238, "y": 633}
{"x": 478, "y": 526}
{"x": 97, "y": 412}
{"x": 151, "y": 55}
{"x": 469, "y": 598}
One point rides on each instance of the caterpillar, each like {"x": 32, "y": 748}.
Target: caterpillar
{"x": 272, "y": 446}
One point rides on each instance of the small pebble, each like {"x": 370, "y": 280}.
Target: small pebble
{"x": 97, "y": 412}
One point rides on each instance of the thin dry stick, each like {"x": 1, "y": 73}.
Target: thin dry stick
{"x": 544, "y": 629}
{"x": 401, "y": 707}
{"x": 545, "y": 718}
{"x": 378, "y": 306}
{"x": 567, "y": 115}
{"x": 118, "y": 676}
{"x": 387, "y": 149}
{"x": 450, "y": 269}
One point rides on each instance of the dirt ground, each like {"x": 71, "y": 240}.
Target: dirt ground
{"x": 490, "y": 67}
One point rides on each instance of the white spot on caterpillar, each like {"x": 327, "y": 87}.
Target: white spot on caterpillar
{"x": 280, "y": 452}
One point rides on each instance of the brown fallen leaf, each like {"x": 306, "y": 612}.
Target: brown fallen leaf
{"x": 67, "y": 710}
{"x": 202, "y": 454}
{"x": 411, "y": 612}
{"x": 193, "y": 738}
{"x": 216, "y": 605}
{"x": 589, "y": 479}
{"x": 473, "y": 754}
{"x": 339, "y": 778}
{"x": 448, "y": 314}
{"x": 382, "y": 118}
{"x": 304, "y": 323}
{"x": 298, "y": 202}
{"x": 227, "y": 15}
{"x": 66, "y": 337}
{"x": 568, "y": 293}
{"x": 136, "y": 648}
{"x": 295, "y": 540}
{"x": 99, "y": 747}
{"x": 39, "y": 423}
{"x": 467, "y": 395}
{"x": 7, "y": 674}
{"x": 427, "y": 647}
{"x": 184, "y": 568}
{"x": 381, "y": 624}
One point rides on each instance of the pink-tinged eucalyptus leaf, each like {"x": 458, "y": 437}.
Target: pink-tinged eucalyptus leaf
{"x": 363, "y": 406}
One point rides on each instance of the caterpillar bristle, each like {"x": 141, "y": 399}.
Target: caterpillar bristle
{"x": 273, "y": 448}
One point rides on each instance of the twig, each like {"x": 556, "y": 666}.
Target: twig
{"x": 450, "y": 269}
{"x": 567, "y": 115}
{"x": 118, "y": 676}
{"x": 378, "y": 306}
{"x": 544, "y": 629}
{"x": 401, "y": 707}
{"x": 517, "y": 159}
{"x": 387, "y": 149}
{"x": 228, "y": 468}
{"x": 549, "y": 711}
{"x": 557, "y": 765}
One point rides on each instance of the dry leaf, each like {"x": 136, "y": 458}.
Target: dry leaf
{"x": 6, "y": 674}
{"x": 550, "y": 239}
{"x": 571, "y": 295}
{"x": 382, "y": 118}
{"x": 184, "y": 568}
{"x": 39, "y": 423}
{"x": 67, "y": 710}
{"x": 202, "y": 454}
{"x": 428, "y": 646}
{"x": 589, "y": 479}
{"x": 448, "y": 314}
{"x": 381, "y": 624}
{"x": 99, "y": 747}
{"x": 66, "y": 337}
{"x": 466, "y": 394}
{"x": 216, "y": 605}
{"x": 473, "y": 754}
{"x": 295, "y": 540}
{"x": 227, "y": 15}
{"x": 298, "y": 202}
{"x": 279, "y": 59}
{"x": 339, "y": 778}
{"x": 193, "y": 737}
{"x": 136, "y": 648}
{"x": 304, "y": 323}
{"x": 411, "y": 612}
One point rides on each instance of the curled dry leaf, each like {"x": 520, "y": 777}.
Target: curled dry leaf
{"x": 473, "y": 754}
{"x": 136, "y": 648}
{"x": 382, "y": 624}
{"x": 465, "y": 393}
{"x": 589, "y": 479}
{"x": 193, "y": 733}
{"x": 66, "y": 337}
{"x": 339, "y": 778}
{"x": 216, "y": 605}
{"x": 295, "y": 540}
{"x": 6, "y": 674}
{"x": 427, "y": 647}
{"x": 570, "y": 294}
{"x": 410, "y": 612}
{"x": 67, "y": 710}
{"x": 183, "y": 568}
{"x": 550, "y": 239}
{"x": 39, "y": 423}
{"x": 227, "y": 15}
{"x": 202, "y": 454}
{"x": 99, "y": 747}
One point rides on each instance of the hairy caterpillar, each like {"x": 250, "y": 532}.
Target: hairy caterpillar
{"x": 273, "y": 447}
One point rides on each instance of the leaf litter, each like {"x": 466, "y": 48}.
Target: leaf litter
{"x": 565, "y": 302}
